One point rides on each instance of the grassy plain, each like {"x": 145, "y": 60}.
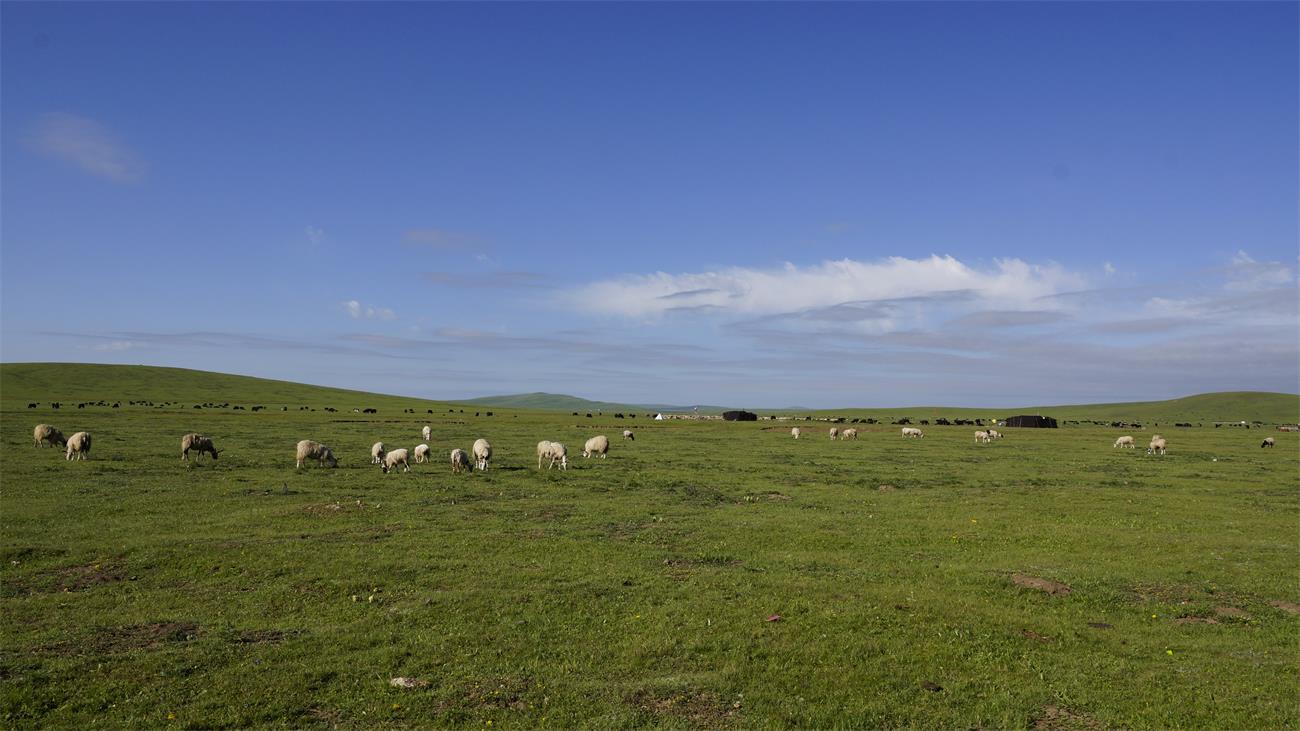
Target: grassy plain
{"x": 635, "y": 591}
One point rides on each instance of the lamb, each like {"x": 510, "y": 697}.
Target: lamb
{"x": 627, "y": 434}
{"x": 199, "y": 444}
{"x": 794, "y": 432}
{"x": 913, "y": 432}
{"x": 459, "y": 460}
{"x": 377, "y": 453}
{"x": 982, "y": 436}
{"x": 1268, "y": 442}
{"x": 1157, "y": 445}
{"x": 45, "y": 432}
{"x": 835, "y": 431}
{"x": 598, "y": 444}
{"x": 482, "y": 453}
{"x": 995, "y": 434}
{"x": 849, "y": 434}
{"x": 307, "y": 449}
{"x": 421, "y": 453}
{"x": 394, "y": 458}
{"x": 1125, "y": 442}
{"x": 553, "y": 451}
{"x": 79, "y": 445}
{"x": 426, "y": 432}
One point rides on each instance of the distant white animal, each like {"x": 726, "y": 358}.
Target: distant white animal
{"x": 849, "y": 434}
{"x": 394, "y": 458}
{"x": 199, "y": 444}
{"x": 459, "y": 460}
{"x": 1157, "y": 445}
{"x": 482, "y": 453}
{"x": 982, "y": 436}
{"x": 421, "y": 453}
{"x": 795, "y": 432}
{"x": 627, "y": 434}
{"x": 46, "y": 433}
{"x": 598, "y": 444}
{"x": 995, "y": 434}
{"x": 835, "y": 431}
{"x": 307, "y": 449}
{"x": 426, "y": 432}
{"x": 1268, "y": 442}
{"x": 552, "y": 452}
{"x": 913, "y": 432}
{"x": 78, "y": 445}
{"x": 1124, "y": 443}
{"x": 377, "y": 451}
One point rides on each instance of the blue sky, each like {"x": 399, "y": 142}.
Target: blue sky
{"x": 990, "y": 204}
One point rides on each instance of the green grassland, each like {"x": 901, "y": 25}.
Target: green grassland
{"x": 635, "y": 591}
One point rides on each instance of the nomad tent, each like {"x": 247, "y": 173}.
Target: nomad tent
{"x": 739, "y": 416}
{"x": 1042, "y": 422}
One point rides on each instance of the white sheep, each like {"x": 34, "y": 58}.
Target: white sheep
{"x": 995, "y": 434}
{"x": 1157, "y": 445}
{"x": 1124, "y": 442}
{"x": 835, "y": 431}
{"x": 982, "y": 436}
{"x": 1268, "y": 442}
{"x": 794, "y": 432}
{"x": 482, "y": 453}
{"x": 554, "y": 452}
{"x": 199, "y": 444}
{"x": 45, "y": 432}
{"x": 394, "y": 458}
{"x": 913, "y": 432}
{"x": 421, "y": 453}
{"x": 79, "y": 445}
{"x": 598, "y": 444}
{"x": 377, "y": 451}
{"x": 459, "y": 460}
{"x": 426, "y": 432}
{"x": 849, "y": 434}
{"x": 307, "y": 449}
{"x": 627, "y": 434}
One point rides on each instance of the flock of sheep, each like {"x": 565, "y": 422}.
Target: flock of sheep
{"x": 984, "y": 436}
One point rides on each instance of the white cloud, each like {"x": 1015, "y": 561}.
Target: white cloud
{"x": 359, "y": 311}
{"x": 1108, "y": 268}
{"x": 88, "y": 145}
{"x": 1247, "y": 275}
{"x": 1009, "y": 284}
{"x": 315, "y": 234}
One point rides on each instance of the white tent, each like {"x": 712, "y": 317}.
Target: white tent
{"x": 659, "y": 417}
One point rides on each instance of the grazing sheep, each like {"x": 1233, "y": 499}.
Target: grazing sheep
{"x": 598, "y": 444}
{"x": 835, "y": 432}
{"x": 1157, "y": 445}
{"x": 553, "y": 451}
{"x": 1268, "y": 442}
{"x": 377, "y": 452}
{"x": 199, "y": 444}
{"x": 421, "y": 453}
{"x": 995, "y": 434}
{"x": 78, "y": 444}
{"x": 394, "y": 458}
{"x": 45, "y": 432}
{"x": 426, "y": 432}
{"x": 459, "y": 460}
{"x": 794, "y": 432}
{"x": 482, "y": 453}
{"x": 627, "y": 434}
{"x": 982, "y": 436}
{"x": 1124, "y": 443}
{"x": 849, "y": 434}
{"x": 913, "y": 432}
{"x": 307, "y": 449}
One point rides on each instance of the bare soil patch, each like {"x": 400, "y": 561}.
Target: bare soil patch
{"x": 1055, "y": 588}
{"x": 151, "y": 636}
{"x": 1290, "y": 607}
{"x": 504, "y": 692}
{"x": 1034, "y": 635}
{"x": 704, "y": 708}
{"x": 1232, "y": 613}
{"x": 1055, "y": 718}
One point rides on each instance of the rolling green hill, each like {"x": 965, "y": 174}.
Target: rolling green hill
{"x": 541, "y": 401}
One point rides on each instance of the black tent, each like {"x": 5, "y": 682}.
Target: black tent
{"x": 739, "y": 416}
{"x": 1041, "y": 422}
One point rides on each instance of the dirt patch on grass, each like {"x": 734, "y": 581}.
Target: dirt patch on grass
{"x": 1232, "y": 613}
{"x": 264, "y": 636}
{"x": 704, "y": 708}
{"x": 79, "y": 577}
{"x": 1164, "y": 594}
{"x": 1029, "y": 633}
{"x": 1055, "y": 588}
{"x": 506, "y": 693}
{"x": 1055, "y": 718}
{"x": 1289, "y": 607}
{"x": 113, "y": 640}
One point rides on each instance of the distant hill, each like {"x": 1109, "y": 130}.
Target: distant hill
{"x": 540, "y": 401}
